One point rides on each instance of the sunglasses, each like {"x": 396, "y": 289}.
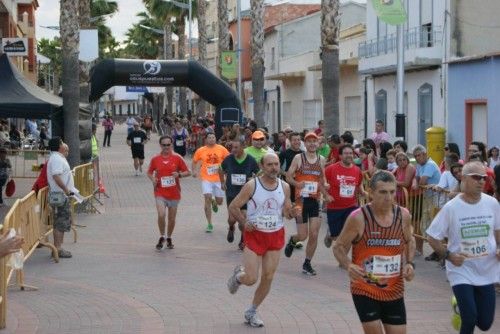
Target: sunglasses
{"x": 260, "y": 139}
{"x": 477, "y": 177}
{"x": 165, "y": 145}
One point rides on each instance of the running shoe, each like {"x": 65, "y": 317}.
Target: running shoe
{"x": 253, "y": 319}
{"x": 210, "y": 228}
{"x": 215, "y": 208}
{"x": 161, "y": 243}
{"x": 241, "y": 245}
{"x": 433, "y": 257}
{"x": 298, "y": 245}
{"x": 328, "y": 241}
{"x": 170, "y": 245}
{"x": 289, "y": 247}
{"x": 230, "y": 234}
{"x": 308, "y": 269}
{"x": 232, "y": 282}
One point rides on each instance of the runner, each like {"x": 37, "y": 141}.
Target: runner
{"x": 136, "y": 140}
{"x": 165, "y": 170}
{"x": 471, "y": 222}
{"x": 307, "y": 175}
{"x": 268, "y": 201}
{"x": 147, "y": 124}
{"x": 346, "y": 184}
{"x": 236, "y": 169}
{"x": 180, "y": 136}
{"x": 210, "y": 157}
{"x": 287, "y": 156}
{"x": 256, "y": 150}
{"x": 383, "y": 248}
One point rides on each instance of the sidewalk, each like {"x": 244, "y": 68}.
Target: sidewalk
{"x": 117, "y": 283}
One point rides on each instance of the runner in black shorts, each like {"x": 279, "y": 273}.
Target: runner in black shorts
{"x": 136, "y": 140}
{"x": 286, "y": 159}
{"x": 236, "y": 169}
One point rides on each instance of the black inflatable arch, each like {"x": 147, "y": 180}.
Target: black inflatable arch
{"x": 173, "y": 73}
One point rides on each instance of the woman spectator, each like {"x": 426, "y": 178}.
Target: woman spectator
{"x": 384, "y": 148}
{"x": 5, "y": 171}
{"x": 405, "y": 173}
{"x": 449, "y": 148}
{"x": 15, "y": 136}
{"x": 493, "y": 159}
{"x": 456, "y": 171}
{"x": 401, "y": 146}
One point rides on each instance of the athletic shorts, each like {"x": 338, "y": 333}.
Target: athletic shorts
{"x": 230, "y": 199}
{"x": 260, "y": 242}
{"x": 169, "y": 203}
{"x": 308, "y": 207}
{"x": 336, "y": 219}
{"x": 138, "y": 153}
{"x": 389, "y": 312}
{"x": 213, "y": 188}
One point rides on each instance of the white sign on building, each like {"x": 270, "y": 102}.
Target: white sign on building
{"x": 15, "y": 46}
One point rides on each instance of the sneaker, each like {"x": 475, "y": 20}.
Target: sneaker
{"x": 215, "y": 208}
{"x": 253, "y": 319}
{"x": 161, "y": 244}
{"x": 230, "y": 234}
{"x": 328, "y": 241}
{"x": 308, "y": 269}
{"x": 232, "y": 282}
{"x": 170, "y": 245}
{"x": 289, "y": 247}
{"x": 433, "y": 257}
{"x": 136, "y": 173}
{"x": 298, "y": 245}
{"x": 64, "y": 254}
{"x": 241, "y": 245}
{"x": 210, "y": 228}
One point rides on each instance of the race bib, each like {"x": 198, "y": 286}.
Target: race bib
{"x": 137, "y": 140}
{"x": 310, "y": 188}
{"x": 267, "y": 222}
{"x": 474, "y": 242}
{"x": 238, "y": 179}
{"x": 347, "y": 190}
{"x": 212, "y": 170}
{"x": 167, "y": 181}
{"x": 179, "y": 142}
{"x": 386, "y": 266}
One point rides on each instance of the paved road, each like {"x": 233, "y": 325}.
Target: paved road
{"x": 117, "y": 283}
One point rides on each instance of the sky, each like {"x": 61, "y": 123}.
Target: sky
{"x": 48, "y": 15}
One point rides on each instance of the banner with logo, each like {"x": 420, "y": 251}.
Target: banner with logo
{"x": 390, "y": 11}
{"x": 228, "y": 65}
{"x": 15, "y": 46}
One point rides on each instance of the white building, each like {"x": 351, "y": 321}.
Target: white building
{"x": 424, "y": 80}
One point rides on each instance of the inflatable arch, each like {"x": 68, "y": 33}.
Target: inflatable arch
{"x": 168, "y": 73}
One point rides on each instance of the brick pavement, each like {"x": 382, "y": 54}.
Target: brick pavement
{"x": 117, "y": 283}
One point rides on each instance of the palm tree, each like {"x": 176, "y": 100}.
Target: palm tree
{"x": 202, "y": 46}
{"x": 330, "y": 25}
{"x": 143, "y": 43}
{"x": 52, "y": 50}
{"x": 108, "y": 46}
{"x": 223, "y": 33}
{"x": 70, "y": 40}
{"x": 257, "y": 17}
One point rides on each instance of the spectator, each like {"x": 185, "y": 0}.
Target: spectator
{"x": 401, "y": 146}
{"x": 493, "y": 158}
{"x": 384, "y": 147}
{"x": 320, "y": 130}
{"x": 108, "y": 125}
{"x": 15, "y": 136}
{"x": 447, "y": 182}
{"x": 130, "y": 124}
{"x": 391, "y": 160}
{"x": 489, "y": 185}
{"x": 334, "y": 156}
{"x": 5, "y": 171}
{"x": 478, "y": 147}
{"x": 280, "y": 146}
{"x": 449, "y": 148}
{"x": 4, "y": 137}
{"x": 380, "y": 136}
{"x": 497, "y": 182}
{"x": 404, "y": 174}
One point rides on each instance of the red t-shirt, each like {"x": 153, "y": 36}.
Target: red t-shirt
{"x": 343, "y": 183}
{"x": 167, "y": 187}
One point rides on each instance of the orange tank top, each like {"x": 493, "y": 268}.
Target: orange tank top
{"x": 310, "y": 174}
{"x": 380, "y": 253}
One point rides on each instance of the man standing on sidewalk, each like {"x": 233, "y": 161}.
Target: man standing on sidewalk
{"x": 108, "y": 125}
{"x": 346, "y": 183}
{"x": 236, "y": 169}
{"x": 307, "y": 175}
{"x": 165, "y": 171}
{"x": 210, "y": 157}
{"x": 268, "y": 200}
{"x": 61, "y": 185}
{"x": 471, "y": 222}
{"x": 136, "y": 140}
{"x": 380, "y": 234}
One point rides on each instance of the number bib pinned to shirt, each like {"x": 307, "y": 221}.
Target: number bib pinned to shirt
{"x": 137, "y": 140}
{"x": 310, "y": 188}
{"x": 238, "y": 179}
{"x": 267, "y": 222}
{"x": 386, "y": 266}
{"x": 212, "y": 170}
{"x": 179, "y": 142}
{"x": 347, "y": 190}
{"x": 167, "y": 181}
{"x": 474, "y": 242}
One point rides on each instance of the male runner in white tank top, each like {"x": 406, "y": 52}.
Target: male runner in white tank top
{"x": 268, "y": 200}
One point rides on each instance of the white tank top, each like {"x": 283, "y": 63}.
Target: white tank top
{"x": 265, "y": 207}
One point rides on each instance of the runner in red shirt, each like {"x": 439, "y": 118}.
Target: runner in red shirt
{"x": 345, "y": 180}
{"x": 165, "y": 170}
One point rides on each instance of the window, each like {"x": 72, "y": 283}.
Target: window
{"x": 353, "y": 113}
{"x": 287, "y": 114}
{"x": 312, "y": 113}
{"x": 128, "y": 108}
{"x": 272, "y": 58}
{"x": 426, "y": 39}
{"x": 381, "y": 106}
{"x": 424, "y": 111}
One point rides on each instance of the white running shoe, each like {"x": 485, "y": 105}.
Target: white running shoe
{"x": 253, "y": 319}
{"x": 232, "y": 282}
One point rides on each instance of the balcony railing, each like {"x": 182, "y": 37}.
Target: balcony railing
{"x": 414, "y": 38}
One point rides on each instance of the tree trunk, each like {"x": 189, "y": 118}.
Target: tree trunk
{"x": 202, "y": 48}
{"x": 257, "y": 13}
{"x": 182, "y": 55}
{"x": 70, "y": 41}
{"x": 167, "y": 29}
{"x": 330, "y": 71}
{"x": 223, "y": 33}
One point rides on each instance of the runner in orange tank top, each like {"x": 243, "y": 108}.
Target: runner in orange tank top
{"x": 383, "y": 248}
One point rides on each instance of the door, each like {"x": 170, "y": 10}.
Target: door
{"x": 476, "y": 121}
{"x": 424, "y": 111}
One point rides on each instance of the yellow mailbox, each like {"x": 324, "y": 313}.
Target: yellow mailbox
{"x": 436, "y": 140}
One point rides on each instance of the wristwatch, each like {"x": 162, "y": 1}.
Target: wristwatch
{"x": 411, "y": 264}
{"x": 446, "y": 254}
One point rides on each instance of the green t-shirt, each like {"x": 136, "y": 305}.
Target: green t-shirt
{"x": 256, "y": 153}
{"x": 324, "y": 151}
